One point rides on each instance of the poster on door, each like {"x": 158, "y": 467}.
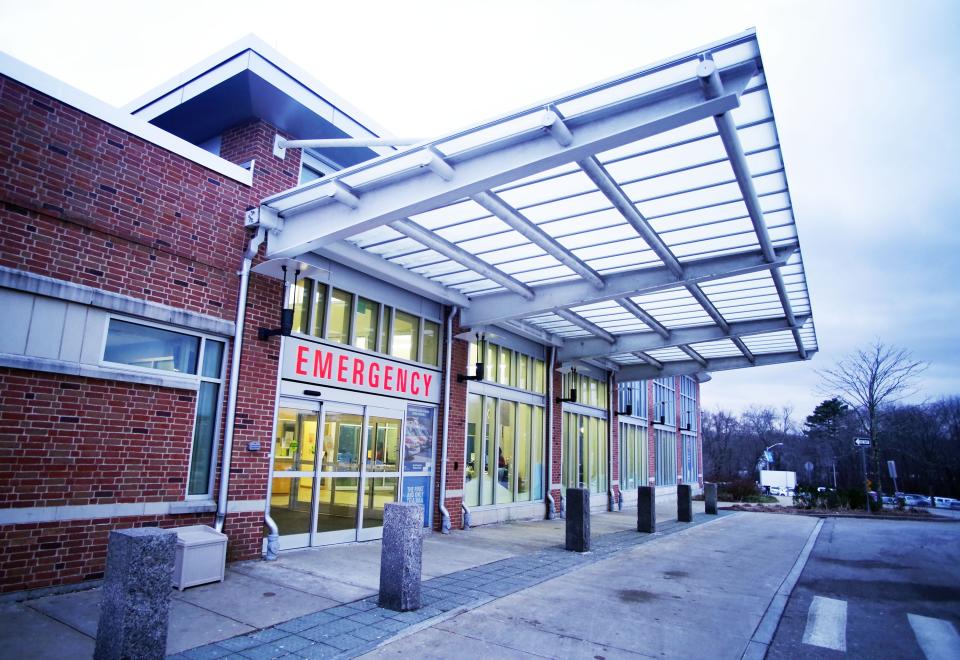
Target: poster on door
{"x": 418, "y": 439}
{"x": 417, "y": 491}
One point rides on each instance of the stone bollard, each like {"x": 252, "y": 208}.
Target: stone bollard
{"x": 710, "y": 498}
{"x": 684, "y": 503}
{"x": 401, "y": 556}
{"x": 647, "y": 509}
{"x": 135, "y": 603}
{"x": 578, "y": 520}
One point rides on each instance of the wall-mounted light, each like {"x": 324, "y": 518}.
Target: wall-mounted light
{"x": 287, "y": 301}
{"x": 688, "y": 415}
{"x": 481, "y": 339}
{"x": 573, "y": 386}
{"x": 663, "y": 412}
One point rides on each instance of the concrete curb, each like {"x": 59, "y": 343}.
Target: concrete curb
{"x": 762, "y": 637}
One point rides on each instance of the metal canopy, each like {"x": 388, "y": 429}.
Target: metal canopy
{"x": 643, "y": 223}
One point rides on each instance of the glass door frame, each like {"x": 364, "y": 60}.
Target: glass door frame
{"x": 315, "y": 407}
{"x": 371, "y": 533}
{"x": 318, "y": 538}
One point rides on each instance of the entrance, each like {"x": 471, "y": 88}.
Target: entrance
{"x": 333, "y": 470}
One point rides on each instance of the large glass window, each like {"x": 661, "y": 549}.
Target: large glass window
{"x": 688, "y": 403}
{"x": 664, "y": 402}
{"x": 302, "y": 293}
{"x": 508, "y": 367}
{"x": 504, "y": 451}
{"x": 406, "y": 336}
{"x": 666, "y": 442}
{"x": 385, "y": 326}
{"x": 590, "y": 391}
{"x": 633, "y": 396}
{"x": 585, "y": 452}
{"x": 368, "y": 317}
{"x": 633, "y": 456}
{"x": 341, "y": 306}
{"x": 431, "y": 342}
{"x": 690, "y": 459}
{"x": 150, "y": 347}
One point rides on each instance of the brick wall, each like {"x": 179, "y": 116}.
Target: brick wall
{"x": 85, "y": 202}
{"x": 457, "y": 433}
{"x": 556, "y": 469}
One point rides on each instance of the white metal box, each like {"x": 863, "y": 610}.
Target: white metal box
{"x": 201, "y": 556}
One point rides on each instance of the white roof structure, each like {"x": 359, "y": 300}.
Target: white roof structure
{"x": 643, "y": 223}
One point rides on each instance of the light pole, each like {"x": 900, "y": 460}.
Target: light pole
{"x": 763, "y": 461}
{"x": 863, "y": 443}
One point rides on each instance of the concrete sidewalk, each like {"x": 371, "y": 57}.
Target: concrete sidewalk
{"x": 275, "y": 605}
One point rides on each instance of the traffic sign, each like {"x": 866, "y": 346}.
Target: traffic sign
{"x": 862, "y": 442}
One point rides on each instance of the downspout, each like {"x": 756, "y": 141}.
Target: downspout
{"x": 611, "y": 493}
{"x": 244, "y": 274}
{"x": 551, "y": 506}
{"x": 444, "y": 514}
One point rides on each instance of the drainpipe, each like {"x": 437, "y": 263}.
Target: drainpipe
{"x": 244, "y": 274}
{"x": 444, "y": 514}
{"x": 551, "y": 508}
{"x": 611, "y": 493}
{"x": 463, "y": 504}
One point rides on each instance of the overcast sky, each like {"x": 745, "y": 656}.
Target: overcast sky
{"x": 866, "y": 96}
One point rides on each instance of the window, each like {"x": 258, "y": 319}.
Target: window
{"x": 633, "y": 455}
{"x": 634, "y": 395}
{"x": 585, "y": 452}
{"x": 150, "y": 347}
{"x": 504, "y": 451}
{"x": 385, "y": 326}
{"x": 590, "y": 391}
{"x": 664, "y": 402}
{"x": 302, "y": 294}
{"x": 368, "y": 317}
{"x": 690, "y": 459}
{"x": 688, "y": 403}
{"x": 311, "y": 168}
{"x": 666, "y": 442}
{"x": 406, "y": 335}
{"x": 508, "y": 367}
{"x": 206, "y": 423}
{"x": 431, "y": 342}
{"x": 338, "y": 328}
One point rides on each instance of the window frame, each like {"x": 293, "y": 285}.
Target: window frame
{"x": 197, "y": 378}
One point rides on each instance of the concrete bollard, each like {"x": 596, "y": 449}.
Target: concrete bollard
{"x": 684, "y": 503}
{"x": 578, "y": 520}
{"x": 710, "y": 498}
{"x": 135, "y": 603}
{"x": 401, "y": 556}
{"x": 646, "y": 509}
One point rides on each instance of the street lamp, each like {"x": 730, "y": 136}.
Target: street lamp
{"x": 764, "y": 462}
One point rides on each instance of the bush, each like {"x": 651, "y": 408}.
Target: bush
{"x": 738, "y": 491}
{"x": 808, "y": 497}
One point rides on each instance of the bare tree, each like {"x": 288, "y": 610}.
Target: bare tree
{"x": 871, "y": 378}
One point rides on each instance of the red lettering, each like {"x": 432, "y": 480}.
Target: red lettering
{"x": 427, "y": 379}
{"x": 387, "y": 377}
{"x": 373, "y": 377}
{"x": 300, "y": 367}
{"x": 342, "y": 368}
{"x": 401, "y": 379}
{"x": 322, "y": 364}
{"x": 414, "y": 385}
{"x": 358, "y": 371}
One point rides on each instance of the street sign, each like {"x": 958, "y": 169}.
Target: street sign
{"x": 892, "y": 469}
{"x": 861, "y": 442}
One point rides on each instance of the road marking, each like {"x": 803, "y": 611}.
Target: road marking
{"x": 827, "y": 624}
{"x": 937, "y": 638}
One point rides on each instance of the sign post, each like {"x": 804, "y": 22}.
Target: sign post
{"x": 863, "y": 443}
{"x": 892, "y": 469}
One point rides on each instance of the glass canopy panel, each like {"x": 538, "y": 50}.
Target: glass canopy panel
{"x": 586, "y": 203}
{"x": 669, "y": 354}
{"x": 717, "y": 349}
{"x": 686, "y": 156}
{"x": 452, "y": 214}
{"x": 421, "y": 258}
{"x": 567, "y": 185}
{"x": 530, "y": 265}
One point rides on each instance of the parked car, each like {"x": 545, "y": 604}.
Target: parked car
{"x": 912, "y": 499}
{"x": 889, "y": 501}
{"x": 947, "y": 502}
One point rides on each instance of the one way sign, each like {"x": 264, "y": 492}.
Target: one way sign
{"x": 862, "y": 442}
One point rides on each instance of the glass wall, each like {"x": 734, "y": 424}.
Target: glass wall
{"x": 590, "y": 391}
{"x": 342, "y": 317}
{"x": 634, "y": 463}
{"x": 585, "y": 452}
{"x": 504, "y": 451}
{"x": 505, "y": 366}
{"x": 633, "y": 396}
{"x": 666, "y": 457}
{"x": 690, "y": 459}
{"x": 688, "y": 403}
{"x": 664, "y": 402}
